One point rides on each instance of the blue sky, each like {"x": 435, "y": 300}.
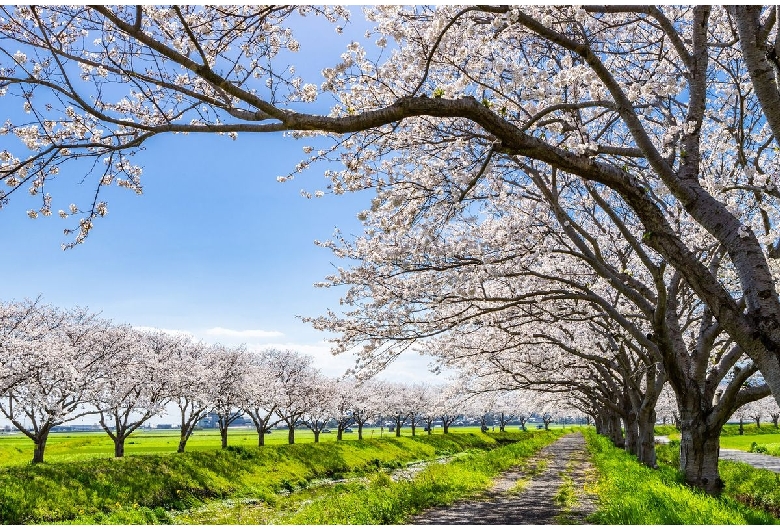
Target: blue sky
{"x": 215, "y": 246}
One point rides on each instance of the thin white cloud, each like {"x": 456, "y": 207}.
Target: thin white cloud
{"x": 243, "y": 333}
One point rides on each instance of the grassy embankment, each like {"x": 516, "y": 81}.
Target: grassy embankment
{"x": 155, "y": 488}
{"x": 629, "y": 493}
{"x": 378, "y": 499}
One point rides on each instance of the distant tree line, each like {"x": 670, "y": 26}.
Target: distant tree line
{"x": 58, "y": 365}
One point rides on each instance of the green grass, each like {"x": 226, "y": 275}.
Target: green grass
{"x": 630, "y": 493}
{"x": 143, "y": 488}
{"x": 732, "y": 429}
{"x": 665, "y": 430}
{"x": 754, "y": 487}
{"x": 383, "y": 501}
{"x": 771, "y": 441}
{"x": 17, "y": 449}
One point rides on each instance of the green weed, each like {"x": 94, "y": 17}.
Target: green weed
{"x": 665, "y": 430}
{"x": 759, "y": 488}
{"x": 566, "y": 497}
{"x": 630, "y": 493}
{"x": 388, "y": 502}
{"x": 132, "y": 489}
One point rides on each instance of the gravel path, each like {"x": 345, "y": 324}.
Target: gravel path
{"x": 560, "y": 467}
{"x": 759, "y": 460}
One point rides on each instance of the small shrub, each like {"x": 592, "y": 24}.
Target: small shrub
{"x": 755, "y": 448}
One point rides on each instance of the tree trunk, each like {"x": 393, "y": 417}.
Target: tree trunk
{"x": 699, "y": 451}
{"x": 522, "y": 425}
{"x": 316, "y": 436}
{"x": 223, "y": 433}
{"x": 632, "y": 433}
{"x": 398, "y": 428}
{"x": 40, "y": 447}
{"x": 741, "y": 427}
{"x": 646, "y": 439}
{"x": 119, "y": 447}
{"x": 183, "y": 438}
{"x": 615, "y": 431}
{"x": 599, "y": 422}
{"x": 446, "y": 428}
{"x": 261, "y": 437}
{"x": 291, "y": 435}
{"x": 360, "y": 431}
{"x": 339, "y": 433}
{"x": 758, "y": 422}
{"x": 775, "y": 417}
{"x": 413, "y": 427}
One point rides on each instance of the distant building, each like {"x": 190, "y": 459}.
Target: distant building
{"x": 77, "y": 428}
{"x": 212, "y": 422}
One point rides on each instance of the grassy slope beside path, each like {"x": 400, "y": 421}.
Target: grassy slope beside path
{"x": 146, "y": 485}
{"x": 384, "y": 501}
{"x": 755, "y": 487}
{"x": 630, "y": 493}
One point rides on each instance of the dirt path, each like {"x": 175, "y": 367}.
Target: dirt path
{"x": 548, "y": 489}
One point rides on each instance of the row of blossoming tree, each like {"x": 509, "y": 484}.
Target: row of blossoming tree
{"x": 580, "y": 198}
{"x": 59, "y": 365}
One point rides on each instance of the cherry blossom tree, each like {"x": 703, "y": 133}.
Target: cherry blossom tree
{"x": 447, "y": 403}
{"x": 368, "y": 404}
{"x": 771, "y": 409}
{"x": 397, "y": 406}
{"x": 227, "y": 367}
{"x": 666, "y": 407}
{"x": 135, "y": 381}
{"x": 755, "y": 411}
{"x": 190, "y": 376}
{"x": 293, "y": 371}
{"x": 417, "y": 398}
{"x": 317, "y": 403}
{"x": 343, "y": 399}
{"x": 62, "y": 374}
{"x": 261, "y": 393}
{"x": 507, "y": 408}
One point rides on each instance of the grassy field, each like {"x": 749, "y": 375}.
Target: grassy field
{"x": 767, "y": 437}
{"x": 17, "y": 449}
